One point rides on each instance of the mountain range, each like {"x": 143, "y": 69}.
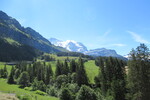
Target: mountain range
{"x": 74, "y": 46}
{"x": 17, "y": 37}
{"x": 70, "y": 45}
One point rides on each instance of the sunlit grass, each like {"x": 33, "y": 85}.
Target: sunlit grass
{"x": 7, "y": 88}
{"x": 92, "y": 70}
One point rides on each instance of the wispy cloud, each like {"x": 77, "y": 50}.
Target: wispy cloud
{"x": 138, "y": 38}
{"x": 106, "y": 33}
{"x": 119, "y": 45}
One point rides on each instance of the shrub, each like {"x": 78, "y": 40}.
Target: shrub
{"x": 86, "y": 93}
{"x": 40, "y": 92}
{"x": 52, "y": 91}
{"x": 65, "y": 94}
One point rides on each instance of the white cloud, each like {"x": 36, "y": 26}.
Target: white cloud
{"x": 106, "y": 33}
{"x": 138, "y": 38}
{"x": 119, "y": 45}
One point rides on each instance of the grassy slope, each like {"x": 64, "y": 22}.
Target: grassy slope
{"x": 4, "y": 87}
{"x": 92, "y": 70}
{"x": 7, "y": 66}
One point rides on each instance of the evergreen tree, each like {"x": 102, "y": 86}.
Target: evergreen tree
{"x": 17, "y": 73}
{"x": 81, "y": 73}
{"x": 86, "y": 93}
{"x": 31, "y": 72}
{"x": 65, "y": 68}
{"x": 35, "y": 84}
{"x": 65, "y": 94}
{"x": 112, "y": 79}
{"x": 49, "y": 73}
{"x": 73, "y": 66}
{"x": 5, "y": 72}
{"x": 24, "y": 79}
{"x": 58, "y": 69}
{"x": 11, "y": 77}
{"x": 139, "y": 73}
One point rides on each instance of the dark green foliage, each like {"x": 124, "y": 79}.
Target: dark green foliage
{"x": 35, "y": 84}
{"x": 17, "y": 73}
{"x": 3, "y": 72}
{"x": 49, "y": 74}
{"x": 60, "y": 80}
{"x": 58, "y": 69}
{"x": 74, "y": 54}
{"x": 111, "y": 78}
{"x": 73, "y": 66}
{"x": 86, "y": 93}
{"x": 41, "y": 86}
{"x": 23, "y": 79}
{"x": 81, "y": 76}
{"x": 47, "y": 58}
{"x": 10, "y": 79}
{"x": 52, "y": 91}
{"x": 139, "y": 73}
{"x": 65, "y": 68}
{"x": 65, "y": 94}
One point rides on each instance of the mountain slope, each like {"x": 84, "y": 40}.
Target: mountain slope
{"x": 11, "y": 50}
{"x": 10, "y": 27}
{"x": 70, "y": 45}
{"x": 104, "y": 53}
{"x": 28, "y": 40}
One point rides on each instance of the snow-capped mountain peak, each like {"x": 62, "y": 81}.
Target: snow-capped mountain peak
{"x": 70, "y": 45}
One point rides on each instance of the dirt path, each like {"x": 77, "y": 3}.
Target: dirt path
{"x": 7, "y": 96}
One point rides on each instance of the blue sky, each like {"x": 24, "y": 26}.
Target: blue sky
{"x": 113, "y": 24}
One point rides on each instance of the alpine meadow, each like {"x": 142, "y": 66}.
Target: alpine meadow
{"x": 46, "y": 61}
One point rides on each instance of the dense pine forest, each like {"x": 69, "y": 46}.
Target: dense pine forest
{"x": 116, "y": 80}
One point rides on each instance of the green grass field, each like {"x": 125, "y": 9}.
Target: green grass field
{"x": 92, "y": 70}
{"x": 4, "y": 87}
{"x": 7, "y": 66}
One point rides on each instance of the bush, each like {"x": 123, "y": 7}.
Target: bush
{"x": 65, "y": 94}
{"x": 24, "y": 97}
{"x": 40, "y": 92}
{"x": 86, "y": 93}
{"x": 52, "y": 91}
{"x": 27, "y": 88}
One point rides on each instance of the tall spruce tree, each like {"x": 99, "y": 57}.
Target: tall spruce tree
{"x": 58, "y": 68}
{"x": 73, "y": 66}
{"x": 81, "y": 75}
{"x": 11, "y": 76}
{"x": 65, "y": 68}
{"x": 112, "y": 78}
{"x": 49, "y": 73}
{"x": 5, "y": 72}
{"x": 139, "y": 73}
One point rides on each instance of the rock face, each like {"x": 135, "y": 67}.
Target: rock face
{"x": 102, "y": 52}
{"x": 70, "y": 45}
{"x": 11, "y": 28}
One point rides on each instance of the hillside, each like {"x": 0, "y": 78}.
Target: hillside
{"x": 11, "y": 29}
